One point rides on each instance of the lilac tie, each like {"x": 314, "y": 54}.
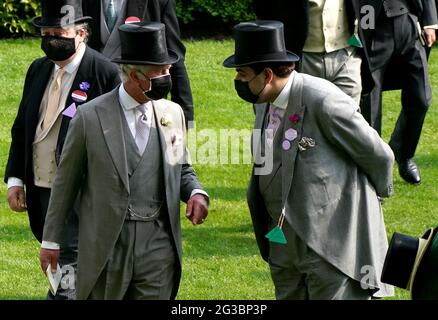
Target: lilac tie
{"x": 275, "y": 116}
{"x": 141, "y": 128}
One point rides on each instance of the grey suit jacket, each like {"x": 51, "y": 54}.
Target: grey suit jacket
{"x": 330, "y": 191}
{"x": 93, "y": 168}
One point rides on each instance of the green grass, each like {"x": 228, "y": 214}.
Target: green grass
{"x": 221, "y": 259}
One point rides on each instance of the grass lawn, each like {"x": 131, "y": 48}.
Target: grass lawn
{"x": 221, "y": 259}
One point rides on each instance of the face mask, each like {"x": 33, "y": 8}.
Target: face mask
{"x": 159, "y": 88}
{"x": 244, "y": 92}
{"x": 58, "y": 48}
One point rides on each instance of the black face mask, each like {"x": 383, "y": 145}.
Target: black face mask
{"x": 58, "y": 48}
{"x": 159, "y": 88}
{"x": 244, "y": 92}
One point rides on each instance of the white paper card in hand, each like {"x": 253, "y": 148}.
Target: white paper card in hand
{"x": 54, "y": 278}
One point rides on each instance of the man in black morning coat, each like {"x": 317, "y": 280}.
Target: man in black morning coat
{"x": 70, "y": 74}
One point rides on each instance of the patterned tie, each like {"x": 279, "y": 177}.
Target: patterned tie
{"x": 141, "y": 128}
{"x": 275, "y": 116}
{"x": 110, "y": 15}
{"x": 53, "y": 100}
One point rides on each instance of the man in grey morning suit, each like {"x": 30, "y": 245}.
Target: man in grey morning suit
{"x": 318, "y": 204}
{"x": 129, "y": 221}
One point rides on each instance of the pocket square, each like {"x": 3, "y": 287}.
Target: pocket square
{"x": 176, "y": 139}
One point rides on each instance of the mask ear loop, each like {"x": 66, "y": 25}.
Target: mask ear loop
{"x": 263, "y": 87}
{"x": 149, "y": 79}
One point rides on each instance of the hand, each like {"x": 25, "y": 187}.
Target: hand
{"x": 197, "y": 209}
{"x": 430, "y": 36}
{"x": 16, "y": 199}
{"x": 49, "y": 256}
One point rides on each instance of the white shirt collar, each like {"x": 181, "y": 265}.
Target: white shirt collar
{"x": 127, "y": 101}
{"x": 283, "y": 98}
{"x": 74, "y": 64}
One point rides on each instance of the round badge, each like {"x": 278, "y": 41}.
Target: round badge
{"x": 286, "y": 145}
{"x": 79, "y": 96}
{"x": 290, "y": 134}
{"x": 132, "y": 19}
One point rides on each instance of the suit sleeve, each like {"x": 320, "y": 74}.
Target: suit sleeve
{"x": 67, "y": 181}
{"x": 346, "y": 128}
{"x": 16, "y": 166}
{"x": 429, "y": 13}
{"x": 181, "y": 92}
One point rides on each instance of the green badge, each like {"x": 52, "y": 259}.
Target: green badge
{"x": 355, "y": 41}
{"x": 276, "y": 235}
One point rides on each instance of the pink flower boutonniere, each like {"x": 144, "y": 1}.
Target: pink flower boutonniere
{"x": 294, "y": 118}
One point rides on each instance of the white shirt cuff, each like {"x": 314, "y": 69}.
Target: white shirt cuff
{"x": 434, "y": 26}
{"x": 196, "y": 191}
{"x": 50, "y": 245}
{"x": 15, "y": 182}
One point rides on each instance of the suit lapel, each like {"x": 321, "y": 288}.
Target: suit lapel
{"x": 295, "y": 107}
{"x": 260, "y": 114}
{"x": 37, "y": 93}
{"x": 84, "y": 74}
{"x": 165, "y": 137}
{"x": 112, "y": 46}
{"x": 111, "y": 123}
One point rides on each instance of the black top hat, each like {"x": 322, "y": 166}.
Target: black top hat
{"x": 60, "y": 13}
{"x": 407, "y": 261}
{"x": 259, "y": 41}
{"x": 425, "y": 283}
{"x": 145, "y": 43}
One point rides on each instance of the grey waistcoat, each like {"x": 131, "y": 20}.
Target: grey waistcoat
{"x": 146, "y": 178}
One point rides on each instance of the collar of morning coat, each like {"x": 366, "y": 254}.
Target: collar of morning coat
{"x": 283, "y": 98}
{"x": 74, "y": 64}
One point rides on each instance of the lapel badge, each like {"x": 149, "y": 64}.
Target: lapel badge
{"x": 286, "y": 145}
{"x": 291, "y": 134}
{"x": 84, "y": 86}
{"x": 306, "y": 143}
{"x": 79, "y": 96}
{"x": 132, "y": 19}
{"x": 70, "y": 111}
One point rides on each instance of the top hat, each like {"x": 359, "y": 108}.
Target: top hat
{"x": 411, "y": 263}
{"x": 60, "y": 13}
{"x": 145, "y": 43}
{"x": 259, "y": 41}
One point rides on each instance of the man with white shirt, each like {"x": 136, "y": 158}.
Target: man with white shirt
{"x": 55, "y": 86}
{"x": 125, "y": 157}
{"x": 326, "y": 36}
{"x": 316, "y": 213}
{"x": 108, "y": 15}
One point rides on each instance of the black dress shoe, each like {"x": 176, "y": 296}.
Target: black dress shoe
{"x": 408, "y": 170}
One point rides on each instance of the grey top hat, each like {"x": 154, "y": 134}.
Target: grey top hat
{"x": 145, "y": 43}
{"x": 259, "y": 41}
{"x": 56, "y": 13}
